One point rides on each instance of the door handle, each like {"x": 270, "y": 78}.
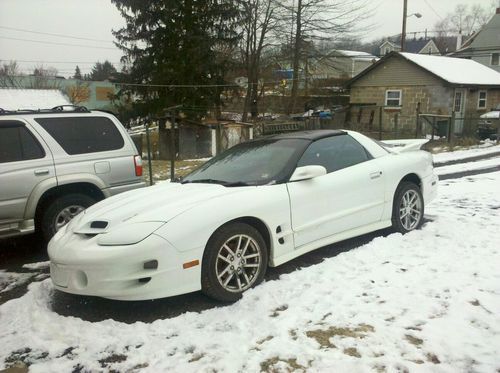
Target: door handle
{"x": 41, "y": 172}
{"x": 375, "y": 175}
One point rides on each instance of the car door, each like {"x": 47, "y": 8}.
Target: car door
{"x": 350, "y": 195}
{"x": 25, "y": 161}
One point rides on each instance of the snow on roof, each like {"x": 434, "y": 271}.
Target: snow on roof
{"x": 357, "y": 55}
{"x": 14, "y": 99}
{"x": 456, "y": 70}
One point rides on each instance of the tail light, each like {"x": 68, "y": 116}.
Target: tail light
{"x": 138, "y": 165}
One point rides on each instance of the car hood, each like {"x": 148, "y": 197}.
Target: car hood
{"x": 159, "y": 203}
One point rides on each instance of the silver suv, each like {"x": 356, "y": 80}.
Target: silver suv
{"x": 55, "y": 163}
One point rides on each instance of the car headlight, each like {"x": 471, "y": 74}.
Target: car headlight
{"x": 128, "y": 234}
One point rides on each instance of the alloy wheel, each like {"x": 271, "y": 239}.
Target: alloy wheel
{"x": 410, "y": 209}
{"x": 238, "y": 263}
{"x": 66, "y": 215}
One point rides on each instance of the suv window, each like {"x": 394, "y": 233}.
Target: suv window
{"x": 81, "y": 135}
{"x": 334, "y": 153}
{"x": 17, "y": 143}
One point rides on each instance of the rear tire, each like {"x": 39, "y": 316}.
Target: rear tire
{"x": 408, "y": 208}
{"x": 61, "y": 210}
{"x": 234, "y": 261}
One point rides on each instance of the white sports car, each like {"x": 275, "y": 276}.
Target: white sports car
{"x": 258, "y": 204}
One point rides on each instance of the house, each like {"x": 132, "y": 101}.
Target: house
{"x": 421, "y": 46}
{"x": 402, "y": 83}
{"x": 340, "y": 64}
{"x": 484, "y": 45}
{"x": 91, "y": 94}
{"x": 33, "y": 99}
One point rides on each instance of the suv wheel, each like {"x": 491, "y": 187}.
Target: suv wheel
{"x": 61, "y": 210}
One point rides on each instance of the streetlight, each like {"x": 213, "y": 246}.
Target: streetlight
{"x": 403, "y": 33}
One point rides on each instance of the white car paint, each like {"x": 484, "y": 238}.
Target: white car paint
{"x": 172, "y": 223}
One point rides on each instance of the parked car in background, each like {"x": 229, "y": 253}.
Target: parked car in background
{"x": 258, "y": 204}
{"x": 54, "y": 163}
{"x": 488, "y": 126}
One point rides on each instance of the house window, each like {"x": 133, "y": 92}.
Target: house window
{"x": 495, "y": 59}
{"x": 430, "y": 50}
{"x": 393, "y": 97}
{"x": 481, "y": 100}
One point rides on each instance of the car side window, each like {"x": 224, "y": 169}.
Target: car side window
{"x": 334, "y": 153}
{"x": 82, "y": 135}
{"x": 17, "y": 143}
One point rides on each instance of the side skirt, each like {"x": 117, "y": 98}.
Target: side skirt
{"x": 330, "y": 240}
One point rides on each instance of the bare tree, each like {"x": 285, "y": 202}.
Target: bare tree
{"x": 78, "y": 93}
{"x": 10, "y": 75}
{"x": 259, "y": 22}
{"x": 313, "y": 20}
{"x": 44, "y": 78}
{"x": 465, "y": 19}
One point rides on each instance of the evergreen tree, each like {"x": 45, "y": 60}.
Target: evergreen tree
{"x": 102, "y": 71}
{"x": 78, "y": 73}
{"x": 182, "y": 42}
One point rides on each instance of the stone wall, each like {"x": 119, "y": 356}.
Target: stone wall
{"x": 432, "y": 99}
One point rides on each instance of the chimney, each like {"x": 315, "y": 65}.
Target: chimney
{"x": 459, "y": 40}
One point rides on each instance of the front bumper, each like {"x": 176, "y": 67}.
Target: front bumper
{"x": 78, "y": 265}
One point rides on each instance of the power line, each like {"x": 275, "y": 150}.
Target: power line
{"x": 430, "y": 6}
{"x": 57, "y": 35}
{"x": 54, "y": 43}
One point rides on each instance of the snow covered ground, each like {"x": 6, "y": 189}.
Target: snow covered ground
{"x": 486, "y": 148}
{"x": 426, "y": 301}
{"x": 468, "y": 166}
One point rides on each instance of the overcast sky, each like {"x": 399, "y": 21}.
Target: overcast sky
{"x": 94, "y": 19}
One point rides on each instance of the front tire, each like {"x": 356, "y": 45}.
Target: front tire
{"x": 61, "y": 210}
{"x": 408, "y": 208}
{"x": 234, "y": 261}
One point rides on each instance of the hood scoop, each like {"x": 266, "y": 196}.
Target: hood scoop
{"x": 99, "y": 224}
{"x": 93, "y": 228}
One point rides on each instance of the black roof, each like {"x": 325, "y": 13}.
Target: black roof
{"x": 308, "y": 135}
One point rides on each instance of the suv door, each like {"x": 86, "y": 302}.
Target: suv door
{"x": 350, "y": 195}
{"x": 25, "y": 161}
{"x": 90, "y": 144}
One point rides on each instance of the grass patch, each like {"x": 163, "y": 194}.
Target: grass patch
{"x": 414, "y": 340}
{"x": 278, "y": 310}
{"x": 352, "y": 351}
{"x": 269, "y": 365}
{"x": 323, "y": 336}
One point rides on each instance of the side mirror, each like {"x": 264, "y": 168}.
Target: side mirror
{"x": 307, "y": 172}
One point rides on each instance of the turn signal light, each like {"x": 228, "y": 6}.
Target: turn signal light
{"x": 190, "y": 264}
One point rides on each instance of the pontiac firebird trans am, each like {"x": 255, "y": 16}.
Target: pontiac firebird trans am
{"x": 258, "y": 204}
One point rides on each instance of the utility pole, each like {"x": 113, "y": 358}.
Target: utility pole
{"x": 403, "y": 32}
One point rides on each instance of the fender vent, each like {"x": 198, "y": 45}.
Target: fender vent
{"x": 99, "y": 224}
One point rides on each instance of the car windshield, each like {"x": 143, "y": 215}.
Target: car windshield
{"x": 266, "y": 161}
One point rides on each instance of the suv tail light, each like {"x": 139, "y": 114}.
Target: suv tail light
{"x": 138, "y": 165}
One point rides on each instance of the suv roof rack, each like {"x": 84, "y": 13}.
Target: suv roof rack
{"x": 61, "y": 109}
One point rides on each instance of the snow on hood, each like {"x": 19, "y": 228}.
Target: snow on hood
{"x": 159, "y": 203}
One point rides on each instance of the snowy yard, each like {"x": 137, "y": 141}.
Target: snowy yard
{"x": 426, "y": 301}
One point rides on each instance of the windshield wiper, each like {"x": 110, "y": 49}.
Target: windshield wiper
{"x": 215, "y": 181}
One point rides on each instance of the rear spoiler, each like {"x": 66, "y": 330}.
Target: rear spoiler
{"x": 403, "y": 146}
